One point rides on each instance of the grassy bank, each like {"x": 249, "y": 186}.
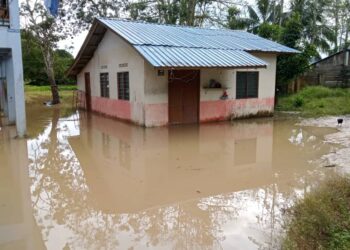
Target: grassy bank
{"x": 31, "y": 88}
{"x": 322, "y": 219}
{"x": 38, "y": 94}
{"x": 317, "y": 101}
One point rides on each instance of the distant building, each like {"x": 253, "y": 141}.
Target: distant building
{"x": 155, "y": 75}
{"x": 11, "y": 68}
{"x": 332, "y": 71}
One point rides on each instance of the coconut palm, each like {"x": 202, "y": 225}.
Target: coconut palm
{"x": 315, "y": 31}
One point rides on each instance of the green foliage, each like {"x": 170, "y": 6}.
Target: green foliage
{"x": 234, "y": 19}
{"x": 290, "y": 66}
{"x": 269, "y": 31}
{"x": 62, "y": 61}
{"x": 34, "y": 66}
{"x": 298, "y": 101}
{"x": 317, "y": 101}
{"x": 33, "y": 63}
{"x": 322, "y": 219}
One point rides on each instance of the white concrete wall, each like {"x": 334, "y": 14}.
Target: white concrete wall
{"x": 111, "y": 52}
{"x": 156, "y": 87}
{"x": 10, "y": 39}
{"x": 267, "y": 79}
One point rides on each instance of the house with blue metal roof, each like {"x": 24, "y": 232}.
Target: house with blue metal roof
{"x": 155, "y": 74}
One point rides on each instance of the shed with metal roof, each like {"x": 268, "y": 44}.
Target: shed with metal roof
{"x": 155, "y": 74}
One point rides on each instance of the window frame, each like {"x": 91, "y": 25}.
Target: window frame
{"x": 123, "y": 87}
{"x": 246, "y": 85}
{"x": 104, "y": 90}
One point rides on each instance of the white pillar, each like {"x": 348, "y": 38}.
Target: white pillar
{"x": 11, "y": 115}
{"x": 17, "y": 68}
{"x": 2, "y": 89}
{"x": 19, "y": 89}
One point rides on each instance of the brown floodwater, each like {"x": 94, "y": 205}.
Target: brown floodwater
{"x": 83, "y": 181}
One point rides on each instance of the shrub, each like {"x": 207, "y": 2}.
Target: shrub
{"x": 322, "y": 219}
{"x": 317, "y": 101}
{"x": 298, "y": 102}
{"x": 316, "y": 92}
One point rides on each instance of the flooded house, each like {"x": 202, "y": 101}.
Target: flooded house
{"x": 11, "y": 69}
{"x": 154, "y": 75}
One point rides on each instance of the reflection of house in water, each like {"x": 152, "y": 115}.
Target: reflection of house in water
{"x": 18, "y": 229}
{"x": 139, "y": 168}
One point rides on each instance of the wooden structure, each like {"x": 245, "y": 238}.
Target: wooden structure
{"x": 332, "y": 71}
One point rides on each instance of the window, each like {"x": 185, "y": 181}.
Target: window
{"x": 104, "y": 82}
{"x": 123, "y": 86}
{"x": 247, "y": 85}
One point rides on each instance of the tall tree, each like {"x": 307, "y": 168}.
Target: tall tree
{"x": 290, "y": 66}
{"x": 338, "y": 19}
{"x": 235, "y": 20}
{"x": 47, "y": 33}
{"x": 315, "y": 29}
{"x": 265, "y": 19}
{"x": 183, "y": 12}
{"x": 34, "y": 66}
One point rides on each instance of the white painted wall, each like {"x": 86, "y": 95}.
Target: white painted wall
{"x": 111, "y": 52}
{"x": 156, "y": 87}
{"x": 10, "y": 39}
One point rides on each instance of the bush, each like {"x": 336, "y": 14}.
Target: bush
{"x": 298, "y": 101}
{"x": 317, "y": 101}
{"x": 322, "y": 219}
{"x": 321, "y": 92}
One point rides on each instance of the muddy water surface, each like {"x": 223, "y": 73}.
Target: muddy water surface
{"x": 88, "y": 182}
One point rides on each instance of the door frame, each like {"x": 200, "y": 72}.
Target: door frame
{"x": 198, "y": 96}
{"x": 87, "y": 90}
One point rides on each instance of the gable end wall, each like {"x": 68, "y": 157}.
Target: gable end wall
{"x": 112, "y": 55}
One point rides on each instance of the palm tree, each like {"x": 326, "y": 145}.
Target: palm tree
{"x": 266, "y": 12}
{"x": 315, "y": 31}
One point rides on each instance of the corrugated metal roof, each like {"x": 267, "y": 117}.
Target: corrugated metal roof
{"x": 181, "y": 46}
{"x": 139, "y": 33}
{"x": 162, "y": 56}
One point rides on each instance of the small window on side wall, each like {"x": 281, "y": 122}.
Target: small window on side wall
{"x": 123, "y": 86}
{"x": 104, "y": 84}
{"x": 247, "y": 85}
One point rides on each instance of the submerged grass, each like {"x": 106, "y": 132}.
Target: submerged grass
{"x": 317, "y": 101}
{"x": 38, "y": 94}
{"x": 46, "y": 88}
{"x": 322, "y": 219}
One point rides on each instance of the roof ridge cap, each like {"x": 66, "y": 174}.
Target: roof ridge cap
{"x": 170, "y": 25}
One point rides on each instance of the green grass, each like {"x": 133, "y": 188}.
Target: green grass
{"x": 31, "y": 88}
{"x": 39, "y": 94}
{"x": 317, "y": 101}
{"x": 322, "y": 219}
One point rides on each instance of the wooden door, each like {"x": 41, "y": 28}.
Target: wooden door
{"x": 184, "y": 96}
{"x": 87, "y": 91}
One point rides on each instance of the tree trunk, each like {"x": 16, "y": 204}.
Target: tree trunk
{"x": 48, "y": 59}
{"x": 191, "y": 12}
{"x": 281, "y": 13}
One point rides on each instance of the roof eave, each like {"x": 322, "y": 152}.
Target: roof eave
{"x": 74, "y": 69}
{"x": 210, "y": 67}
